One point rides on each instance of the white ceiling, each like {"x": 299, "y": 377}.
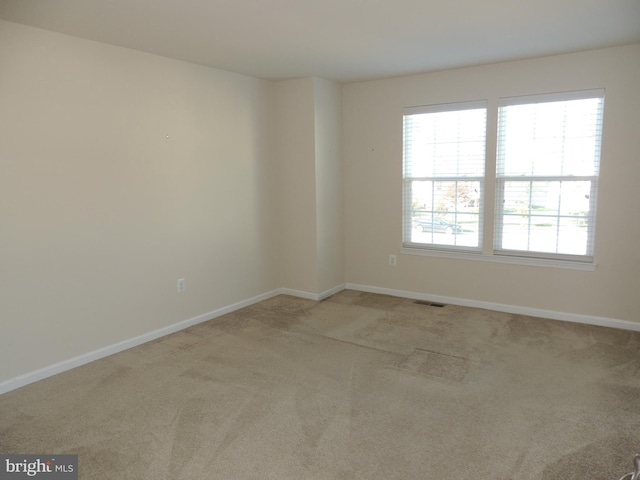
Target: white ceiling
{"x": 342, "y": 40}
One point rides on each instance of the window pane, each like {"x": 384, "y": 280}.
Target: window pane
{"x": 550, "y": 139}
{"x": 574, "y": 238}
{"x": 515, "y": 232}
{"x": 543, "y": 234}
{"x": 470, "y": 225}
{"x": 550, "y": 217}
{"x": 444, "y": 197}
{"x": 576, "y": 199}
{"x": 548, "y": 162}
{"x": 444, "y": 229}
{"x": 422, "y": 198}
{"x": 446, "y": 213}
{"x": 545, "y": 198}
{"x": 444, "y": 155}
{"x": 516, "y": 198}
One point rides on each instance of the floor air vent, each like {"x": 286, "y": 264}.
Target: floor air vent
{"x": 429, "y": 304}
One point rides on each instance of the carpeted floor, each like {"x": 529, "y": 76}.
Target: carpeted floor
{"x": 358, "y": 386}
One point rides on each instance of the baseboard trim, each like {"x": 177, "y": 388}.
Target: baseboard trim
{"x": 31, "y": 377}
{"x": 312, "y": 296}
{"x": 83, "y": 359}
{"x": 499, "y": 307}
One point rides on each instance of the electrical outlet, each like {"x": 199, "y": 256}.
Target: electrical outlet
{"x": 182, "y": 285}
{"x": 393, "y": 261}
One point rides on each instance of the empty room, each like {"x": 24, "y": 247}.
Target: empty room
{"x": 319, "y": 239}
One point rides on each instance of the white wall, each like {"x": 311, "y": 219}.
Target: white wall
{"x": 329, "y": 190}
{"x": 295, "y": 156}
{"x": 309, "y": 158}
{"x": 372, "y": 116}
{"x": 100, "y": 213}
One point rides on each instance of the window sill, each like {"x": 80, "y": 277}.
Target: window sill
{"x": 512, "y": 260}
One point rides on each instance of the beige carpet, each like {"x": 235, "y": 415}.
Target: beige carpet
{"x": 358, "y": 386}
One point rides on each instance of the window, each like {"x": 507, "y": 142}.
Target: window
{"x": 547, "y": 161}
{"x": 547, "y": 173}
{"x": 444, "y": 158}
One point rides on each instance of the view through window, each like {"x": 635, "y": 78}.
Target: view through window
{"x": 547, "y": 166}
{"x": 547, "y": 173}
{"x": 444, "y": 158}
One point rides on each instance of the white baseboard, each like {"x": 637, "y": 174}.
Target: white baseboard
{"x": 80, "y": 360}
{"x": 298, "y": 293}
{"x": 499, "y": 307}
{"x": 65, "y": 365}
{"x": 331, "y": 291}
{"x": 312, "y": 296}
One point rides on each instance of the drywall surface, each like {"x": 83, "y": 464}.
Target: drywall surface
{"x": 295, "y": 154}
{"x": 329, "y": 184}
{"x": 308, "y": 152}
{"x": 122, "y": 172}
{"x": 372, "y": 133}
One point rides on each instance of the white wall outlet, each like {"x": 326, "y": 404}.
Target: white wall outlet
{"x": 393, "y": 261}
{"x": 182, "y": 285}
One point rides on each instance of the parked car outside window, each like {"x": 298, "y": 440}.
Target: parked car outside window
{"x": 436, "y": 225}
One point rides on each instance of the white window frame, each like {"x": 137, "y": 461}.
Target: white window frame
{"x": 489, "y": 253}
{"x": 501, "y": 181}
{"x": 407, "y": 221}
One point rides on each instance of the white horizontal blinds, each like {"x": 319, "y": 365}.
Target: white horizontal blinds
{"x": 444, "y": 160}
{"x": 548, "y": 162}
